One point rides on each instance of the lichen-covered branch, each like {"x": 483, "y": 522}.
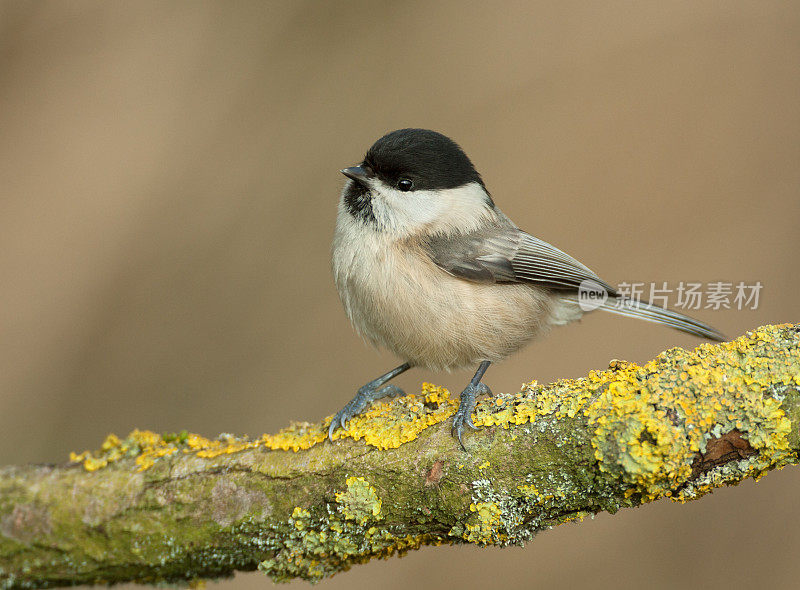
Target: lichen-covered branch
{"x": 168, "y": 508}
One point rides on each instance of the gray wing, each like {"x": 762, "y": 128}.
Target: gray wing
{"x": 506, "y": 254}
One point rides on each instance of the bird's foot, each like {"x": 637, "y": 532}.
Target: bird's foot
{"x": 365, "y": 396}
{"x": 463, "y": 416}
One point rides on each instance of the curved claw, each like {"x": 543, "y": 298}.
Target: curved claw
{"x": 458, "y": 428}
{"x": 333, "y": 426}
{"x": 355, "y": 406}
{"x": 463, "y": 416}
{"x": 341, "y": 417}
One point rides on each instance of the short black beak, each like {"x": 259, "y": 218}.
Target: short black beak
{"x": 357, "y": 173}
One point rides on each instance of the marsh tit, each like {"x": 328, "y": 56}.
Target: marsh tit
{"x": 428, "y": 267}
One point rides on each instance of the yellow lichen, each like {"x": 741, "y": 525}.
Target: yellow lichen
{"x": 389, "y": 424}
{"x": 648, "y": 423}
{"x": 144, "y": 445}
{"x": 147, "y": 447}
{"x": 484, "y": 528}
{"x": 297, "y": 437}
{"x": 148, "y": 457}
{"x": 78, "y": 457}
{"x": 94, "y": 463}
{"x": 531, "y": 492}
{"x": 385, "y": 425}
{"x": 647, "y": 426}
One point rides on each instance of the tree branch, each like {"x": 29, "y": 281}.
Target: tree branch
{"x": 150, "y": 508}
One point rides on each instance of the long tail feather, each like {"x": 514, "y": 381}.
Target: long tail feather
{"x": 643, "y": 310}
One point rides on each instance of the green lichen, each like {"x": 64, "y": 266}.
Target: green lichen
{"x": 307, "y": 508}
{"x": 359, "y": 502}
{"x": 316, "y": 547}
{"x": 651, "y": 422}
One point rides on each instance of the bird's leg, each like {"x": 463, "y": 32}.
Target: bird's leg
{"x": 463, "y": 416}
{"x": 374, "y": 390}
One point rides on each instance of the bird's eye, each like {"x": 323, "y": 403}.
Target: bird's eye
{"x": 404, "y": 184}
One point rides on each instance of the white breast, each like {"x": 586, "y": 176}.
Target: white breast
{"x": 396, "y": 297}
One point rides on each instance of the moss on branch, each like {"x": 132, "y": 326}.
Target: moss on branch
{"x": 152, "y": 508}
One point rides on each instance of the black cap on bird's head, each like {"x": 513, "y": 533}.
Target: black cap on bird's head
{"x": 409, "y": 160}
{"x": 416, "y": 159}
{"x": 427, "y": 158}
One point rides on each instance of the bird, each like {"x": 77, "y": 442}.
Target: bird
{"x": 428, "y": 267}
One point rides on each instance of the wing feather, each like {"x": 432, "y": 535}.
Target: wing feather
{"x": 505, "y": 254}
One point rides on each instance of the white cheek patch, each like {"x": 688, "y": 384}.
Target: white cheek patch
{"x": 406, "y": 213}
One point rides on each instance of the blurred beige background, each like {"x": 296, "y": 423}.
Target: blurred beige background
{"x": 168, "y": 186}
